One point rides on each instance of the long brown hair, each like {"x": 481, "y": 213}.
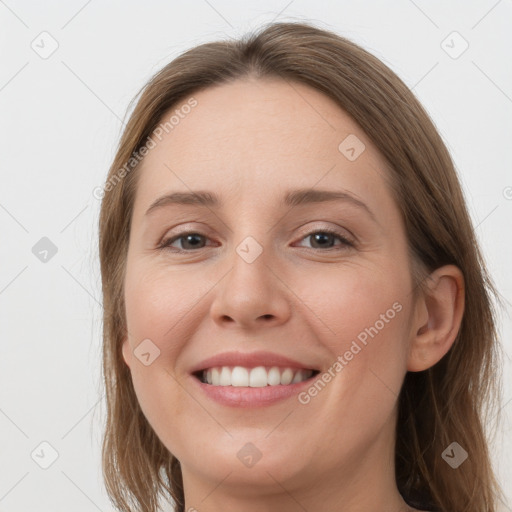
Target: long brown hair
{"x": 450, "y": 401}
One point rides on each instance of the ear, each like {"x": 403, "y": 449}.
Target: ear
{"x": 437, "y": 319}
{"x": 127, "y": 351}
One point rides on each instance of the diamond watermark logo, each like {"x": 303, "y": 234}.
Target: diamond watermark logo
{"x": 146, "y": 352}
{"x": 351, "y": 147}
{"x": 44, "y": 455}
{"x": 454, "y": 45}
{"x": 44, "y": 250}
{"x": 249, "y": 455}
{"x": 45, "y": 45}
{"x": 454, "y": 455}
{"x": 249, "y": 249}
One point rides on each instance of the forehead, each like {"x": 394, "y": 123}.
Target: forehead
{"x": 253, "y": 136}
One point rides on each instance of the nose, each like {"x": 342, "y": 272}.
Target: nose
{"x": 251, "y": 294}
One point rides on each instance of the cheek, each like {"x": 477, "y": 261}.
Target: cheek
{"x": 364, "y": 318}
{"x": 161, "y": 303}
{"x": 159, "y": 307}
{"x": 355, "y": 303}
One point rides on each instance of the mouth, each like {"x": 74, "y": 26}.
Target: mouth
{"x": 256, "y": 377}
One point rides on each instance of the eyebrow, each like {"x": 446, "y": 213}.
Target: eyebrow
{"x": 292, "y": 198}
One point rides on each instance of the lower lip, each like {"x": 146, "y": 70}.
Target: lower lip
{"x": 251, "y": 397}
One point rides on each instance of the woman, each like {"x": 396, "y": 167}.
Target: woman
{"x": 297, "y": 314}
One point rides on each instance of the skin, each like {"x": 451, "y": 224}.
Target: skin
{"x": 249, "y": 142}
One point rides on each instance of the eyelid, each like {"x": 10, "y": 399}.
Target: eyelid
{"x": 183, "y": 229}
{"x": 338, "y": 231}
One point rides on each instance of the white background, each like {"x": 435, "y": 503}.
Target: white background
{"x": 60, "y": 120}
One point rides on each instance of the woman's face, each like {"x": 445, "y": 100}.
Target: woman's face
{"x": 264, "y": 276}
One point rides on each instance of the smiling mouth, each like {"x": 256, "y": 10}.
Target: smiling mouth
{"x": 257, "y": 377}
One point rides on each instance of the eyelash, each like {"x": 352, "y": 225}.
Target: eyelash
{"x": 166, "y": 244}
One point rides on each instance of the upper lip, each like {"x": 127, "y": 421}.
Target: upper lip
{"x": 250, "y": 360}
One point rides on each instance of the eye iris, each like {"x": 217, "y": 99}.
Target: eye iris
{"x": 190, "y": 237}
{"x": 319, "y": 237}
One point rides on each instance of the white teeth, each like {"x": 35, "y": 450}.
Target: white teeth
{"x": 239, "y": 376}
{"x": 225, "y": 376}
{"x": 257, "y": 377}
{"x": 287, "y": 376}
{"x": 274, "y": 376}
{"x": 297, "y": 377}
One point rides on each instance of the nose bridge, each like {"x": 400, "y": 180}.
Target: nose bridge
{"x": 250, "y": 236}
{"x": 252, "y": 241}
{"x": 250, "y": 290}
{"x": 250, "y": 267}
{"x": 253, "y": 245}
{"x": 251, "y": 250}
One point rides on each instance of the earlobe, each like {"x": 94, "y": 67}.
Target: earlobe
{"x": 438, "y": 318}
{"x": 126, "y": 351}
